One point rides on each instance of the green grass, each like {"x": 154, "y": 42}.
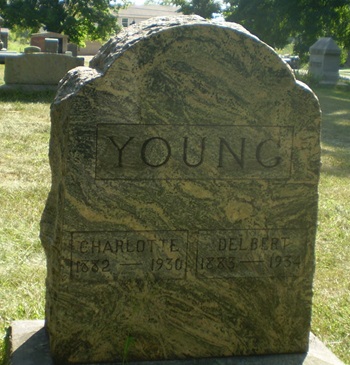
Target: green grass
{"x": 331, "y": 310}
{"x": 25, "y": 181}
{"x": 24, "y": 184}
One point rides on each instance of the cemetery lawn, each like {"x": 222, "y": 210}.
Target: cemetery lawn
{"x": 25, "y": 181}
{"x": 24, "y": 184}
{"x": 331, "y": 309}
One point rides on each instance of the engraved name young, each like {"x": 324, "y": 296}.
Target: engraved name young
{"x": 130, "y": 151}
{"x": 183, "y": 206}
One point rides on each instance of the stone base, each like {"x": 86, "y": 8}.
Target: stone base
{"x": 28, "y": 345}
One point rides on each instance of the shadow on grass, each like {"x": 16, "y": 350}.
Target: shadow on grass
{"x": 335, "y": 130}
{"x": 26, "y": 95}
{"x": 337, "y": 164}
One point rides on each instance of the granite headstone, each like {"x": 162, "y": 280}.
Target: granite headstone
{"x": 325, "y": 60}
{"x": 182, "y": 216}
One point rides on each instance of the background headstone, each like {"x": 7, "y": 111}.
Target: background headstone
{"x": 38, "y": 39}
{"x": 325, "y": 60}
{"x": 182, "y": 215}
{"x": 51, "y": 45}
{"x": 32, "y": 49}
{"x": 4, "y": 36}
{"x": 72, "y": 47}
{"x": 34, "y": 68}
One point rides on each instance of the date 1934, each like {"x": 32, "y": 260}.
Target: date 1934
{"x": 242, "y": 266}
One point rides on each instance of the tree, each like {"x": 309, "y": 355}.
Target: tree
{"x": 327, "y": 18}
{"x": 276, "y": 21}
{"x": 261, "y": 17}
{"x": 78, "y": 19}
{"x": 203, "y": 8}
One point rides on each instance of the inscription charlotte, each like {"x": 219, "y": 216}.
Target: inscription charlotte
{"x": 116, "y": 255}
{"x": 181, "y": 152}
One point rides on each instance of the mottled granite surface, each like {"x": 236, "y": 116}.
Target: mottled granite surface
{"x": 183, "y": 208}
{"x": 28, "y": 345}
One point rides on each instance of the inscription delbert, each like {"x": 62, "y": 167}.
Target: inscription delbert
{"x": 149, "y": 152}
{"x": 250, "y": 253}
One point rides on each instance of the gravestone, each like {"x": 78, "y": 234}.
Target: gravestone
{"x": 325, "y": 60}
{"x": 51, "y": 45}
{"x": 182, "y": 216}
{"x": 36, "y": 68}
{"x": 32, "y": 49}
{"x": 4, "y": 36}
{"x": 38, "y": 39}
{"x": 73, "y": 48}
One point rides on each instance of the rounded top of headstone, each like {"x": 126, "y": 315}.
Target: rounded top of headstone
{"x": 175, "y": 28}
{"x": 180, "y": 62}
{"x": 32, "y": 49}
{"x": 133, "y": 34}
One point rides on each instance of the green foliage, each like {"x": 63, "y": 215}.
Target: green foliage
{"x": 203, "y": 8}
{"x": 307, "y": 78}
{"x": 261, "y": 17}
{"x": 79, "y": 19}
{"x": 317, "y": 19}
{"x": 19, "y": 35}
{"x": 275, "y": 21}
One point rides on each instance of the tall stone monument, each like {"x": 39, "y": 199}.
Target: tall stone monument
{"x": 183, "y": 208}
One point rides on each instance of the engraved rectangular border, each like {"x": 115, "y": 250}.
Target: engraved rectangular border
{"x": 287, "y": 177}
{"x": 303, "y": 231}
{"x": 184, "y": 231}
